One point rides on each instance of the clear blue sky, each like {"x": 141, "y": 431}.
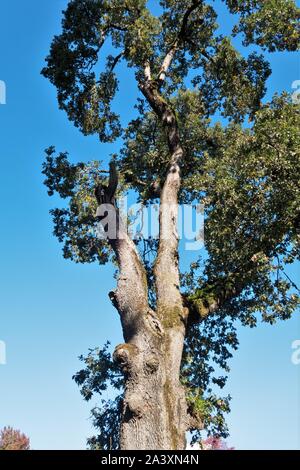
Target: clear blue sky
{"x": 51, "y": 310}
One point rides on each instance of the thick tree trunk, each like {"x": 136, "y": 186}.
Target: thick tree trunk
{"x": 155, "y": 410}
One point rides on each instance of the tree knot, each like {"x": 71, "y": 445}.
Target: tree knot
{"x": 136, "y": 405}
{"x": 151, "y": 364}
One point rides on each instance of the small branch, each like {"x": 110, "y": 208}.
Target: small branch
{"x": 181, "y": 36}
{"x": 211, "y": 298}
{"x": 117, "y": 27}
{"x": 293, "y": 284}
{"x": 167, "y": 62}
{"x": 116, "y": 61}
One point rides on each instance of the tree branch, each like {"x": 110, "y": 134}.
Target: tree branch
{"x": 167, "y": 62}
{"x": 147, "y": 71}
{"x": 131, "y": 295}
{"x": 166, "y": 270}
{"x": 181, "y": 36}
{"x": 116, "y": 61}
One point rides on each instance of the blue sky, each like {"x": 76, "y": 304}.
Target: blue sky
{"x": 51, "y": 310}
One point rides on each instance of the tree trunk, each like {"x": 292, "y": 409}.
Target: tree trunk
{"x": 154, "y": 411}
{"x": 155, "y": 414}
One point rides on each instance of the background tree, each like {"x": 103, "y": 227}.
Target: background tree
{"x": 11, "y": 439}
{"x": 214, "y": 443}
{"x": 179, "y": 328}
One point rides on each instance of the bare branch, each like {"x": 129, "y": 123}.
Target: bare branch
{"x": 116, "y": 61}
{"x": 167, "y": 62}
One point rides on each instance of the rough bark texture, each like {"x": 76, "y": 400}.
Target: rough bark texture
{"x": 154, "y": 412}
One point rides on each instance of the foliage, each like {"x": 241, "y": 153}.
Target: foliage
{"x": 251, "y": 193}
{"x": 207, "y": 350}
{"x": 76, "y": 225}
{"x": 11, "y": 439}
{"x": 245, "y": 170}
{"x": 272, "y": 24}
{"x": 99, "y": 375}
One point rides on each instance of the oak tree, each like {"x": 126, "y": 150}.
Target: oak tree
{"x": 178, "y": 327}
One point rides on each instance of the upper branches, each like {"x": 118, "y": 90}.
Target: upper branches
{"x": 83, "y": 93}
{"x": 160, "y": 48}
